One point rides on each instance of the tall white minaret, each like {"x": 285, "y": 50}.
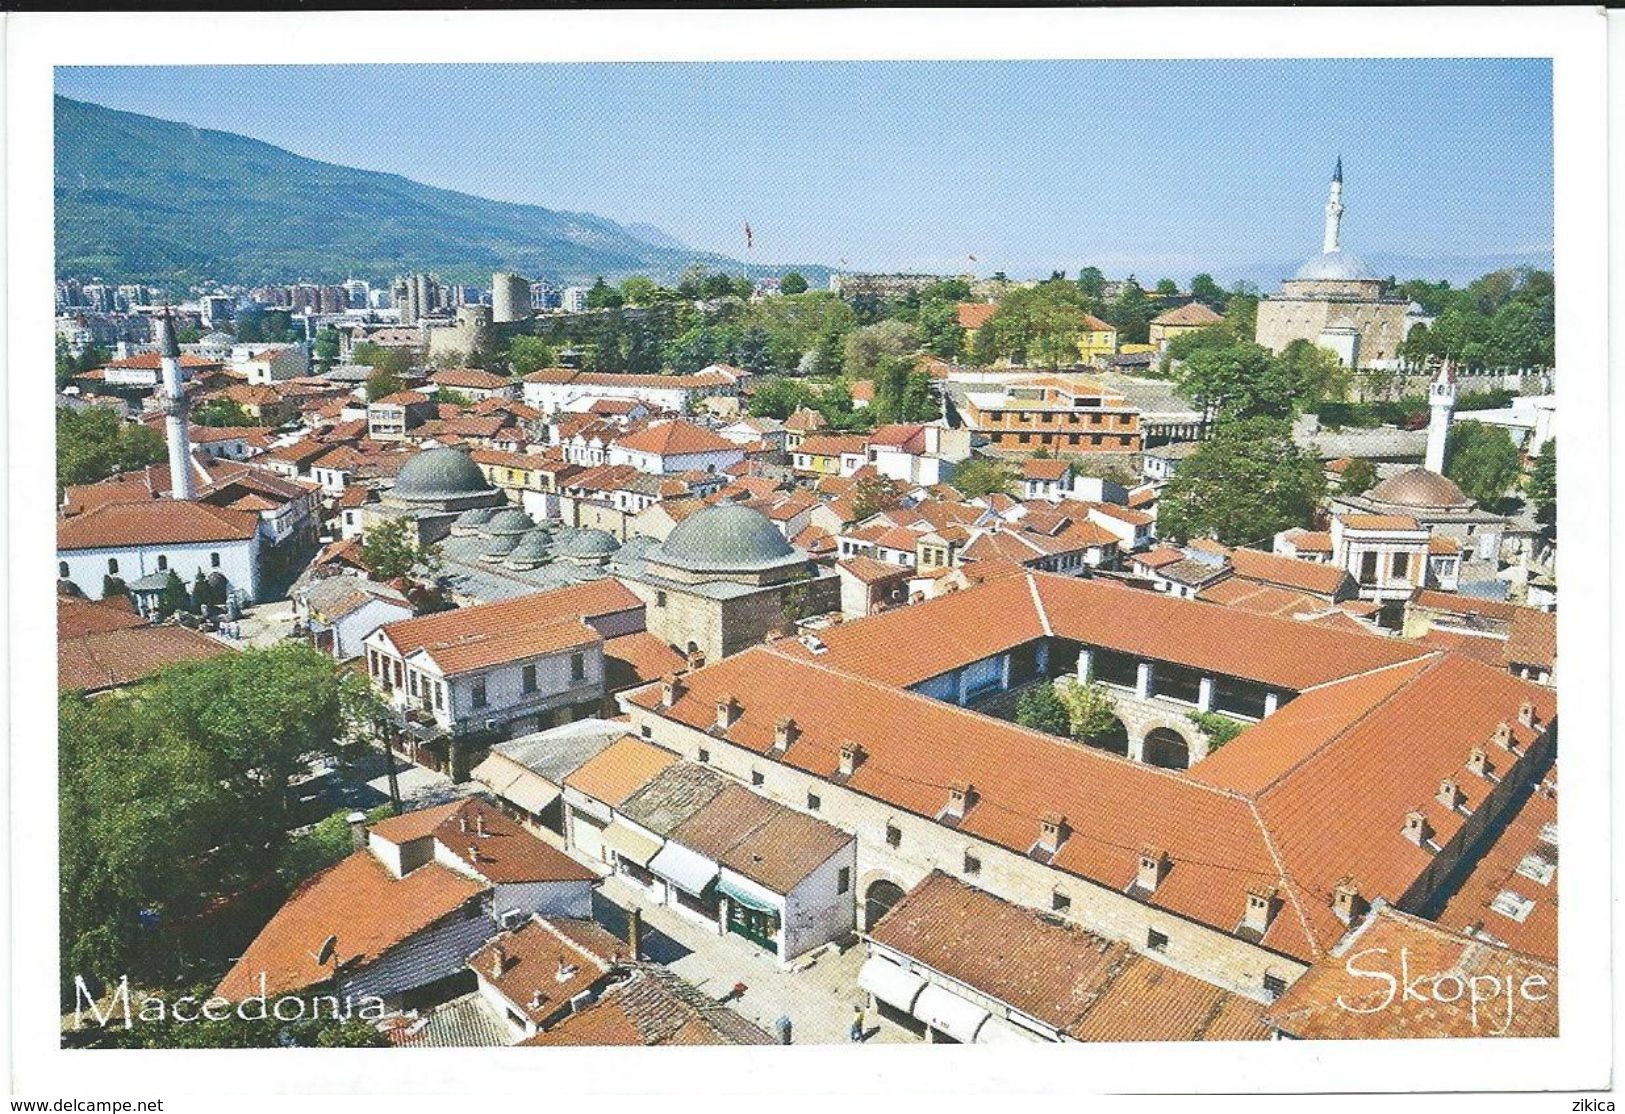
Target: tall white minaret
{"x": 1334, "y": 209}
{"x": 182, "y": 484}
{"x": 1441, "y": 403}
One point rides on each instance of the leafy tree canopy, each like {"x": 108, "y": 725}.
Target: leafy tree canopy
{"x": 1482, "y": 460}
{"x": 1244, "y": 485}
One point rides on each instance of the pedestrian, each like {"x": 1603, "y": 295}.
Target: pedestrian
{"x": 857, "y": 1024}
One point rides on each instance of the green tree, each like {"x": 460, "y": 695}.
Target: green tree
{"x": 1241, "y": 311}
{"x": 113, "y": 587}
{"x": 1131, "y": 313}
{"x": 601, "y": 295}
{"x": 940, "y": 329}
{"x": 447, "y": 396}
{"x": 382, "y": 383}
{"x": 66, "y": 366}
{"x": 1092, "y": 284}
{"x": 1247, "y": 483}
{"x": 1042, "y": 322}
{"x": 391, "y": 549}
{"x": 1218, "y": 729}
{"x": 1238, "y": 380}
{"x": 1358, "y": 478}
{"x": 396, "y": 361}
{"x": 778, "y": 398}
{"x": 793, "y": 283}
{"x": 869, "y": 347}
{"x": 1042, "y": 709}
{"x": 1091, "y": 711}
{"x": 325, "y": 348}
{"x": 875, "y": 493}
{"x": 1167, "y": 288}
{"x": 983, "y": 476}
{"x": 527, "y": 354}
{"x": 1208, "y": 292}
{"x": 1313, "y": 374}
{"x": 174, "y": 597}
{"x": 94, "y": 443}
{"x": 1482, "y": 460}
{"x": 222, "y": 412}
{"x": 1541, "y": 487}
{"x": 639, "y": 290}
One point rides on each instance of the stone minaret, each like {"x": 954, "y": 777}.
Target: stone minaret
{"x": 1334, "y": 209}
{"x": 1442, "y": 402}
{"x": 182, "y": 484}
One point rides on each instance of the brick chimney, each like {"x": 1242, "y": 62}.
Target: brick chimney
{"x": 1503, "y": 736}
{"x": 852, "y": 756}
{"x": 1261, "y": 906}
{"x": 1526, "y": 713}
{"x": 784, "y": 733}
{"x": 499, "y": 960}
{"x": 961, "y": 796}
{"x": 1347, "y": 904}
{"x": 1052, "y": 831}
{"x": 1478, "y": 762}
{"x": 1153, "y": 868}
{"x": 479, "y": 824}
{"x": 1417, "y": 829}
{"x": 696, "y": 659}
{"x": 1450, "y": 794}
{"x": 634, "y": 932}
{"x": 728, "y": 712}
{"x": 671, "y": 690}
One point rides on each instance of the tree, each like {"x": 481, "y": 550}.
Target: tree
{"x": 793, "y": 283}
{"x": 778, "y": 398}
{"x": 1313, "y": 374}
{"x": 875, "y": 493}
{"x": 1241, "y": 311}
{"x": 527, "y": 354}
{"x": 222, "y": 412}
{"x": 1091, "y": 711}
{"x": 397, "y": 361}
{"x": 1167, "y": 288}
{"x": 1237, "y": 380}
{"x": 448, "y": 396}
{"x": 66, "y": 366}
{"x": 1218, "y": 729}
{"x": 1131, "y": 314}
{"x": 940, "y": 329}
{"x": 1042, "y": 709}
{"x": 1208, "y": 292}
{"x": 1092, "y": 283}
{"x": 173, "y": 598}
{"x": 1482, "y": 460}
{"x": 983, "y": 476}
{"x": 391, "y": 549}
{"x": 1541, "y": 487}
{"x": 639, "y": 290}
{"x": 382, "y": 383}
{"x": 1246, "y": 484}
{"x": 94, "y": 443}
{"x": 601, "y": 295}
{"x": 869, "y": 346}
{"x": 325, "y": 348}
{"x": 1358, "y": 478}
{"x": 1041, "y": 322}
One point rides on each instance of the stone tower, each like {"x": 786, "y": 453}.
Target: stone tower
{"x": 1441, "y": 402}
{"x": 1334, "y": 209}
{"x": 182, "y": 484}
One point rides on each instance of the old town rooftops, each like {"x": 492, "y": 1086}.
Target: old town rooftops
{"x": 153, "y": 522}
{"x": 583, "y": 601}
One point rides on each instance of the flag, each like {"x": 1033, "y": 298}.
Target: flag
{"x": 750, "y": 237}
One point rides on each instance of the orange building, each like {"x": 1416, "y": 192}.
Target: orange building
{"x": 1061, "y": 413}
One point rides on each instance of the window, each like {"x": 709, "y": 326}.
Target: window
{"x": 1401, "y": 565}
{"x": 1274, "y": 986}
{"x": 646, "y": 731}
{"x": 163, "y": 563}
{"x": 704, "y": 755}
{"x": 578, "y": 667}
{"x": 439, "y": 695}
{"x": 479, "y": 692}
{"x": 894, "y": 836}
{"x": 1156, "y": 941}
{"x": 1513, "y": 905}
{"x": 756, "y": 777}
{"x": 843, "y": 879}
{"x": 528, "y": 678}
{"x": 1368, "y": 568}
{"x": 412, "y": 682}
{"x": 814, "y": 802}
{"x": 973, "y": 865}
{"x": 112, "y": 565}
{"x": 62, "y": 569}
{"x": 1060, "y": 901}
{"x": 1538, "y": 868}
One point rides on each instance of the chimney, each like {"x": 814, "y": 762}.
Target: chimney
{"x": 961, "y": 796}
{"x": 696, "y": 659}
{"x": 473, "y": 854}
{"x": 1503, "y": 736}
{"x": 358, "y": 829}
{"x": 1417, "y": 828}
{"x": 1052, "y": 832}
{"x": 1260, "y": 908}
{"x": 499, "y": 961}
{"x": 852, "y": 755}
{"x": 565, "y": 971}
{"x": 1346, "y": 902}
{"x": 462, "y": 824}
{"x": 1154, "y": 864}
{"x": 634, "y": 932}
{"x": 1450, "y": 794}
{"x": 784, "y": 733}
{"x": 536, "y": 999}
{"x": 182, "y": 484}
{"x": 671, "y": 690}
{"x": 728, "y": 712}
{"x": 1526, "y": 713}
{"x": 1478, "y": 762}
{"x": 479, "y": 824}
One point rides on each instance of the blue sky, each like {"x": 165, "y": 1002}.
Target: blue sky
{"x": 1155, "y": 168}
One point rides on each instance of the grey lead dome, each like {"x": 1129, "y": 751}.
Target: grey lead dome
{"x": 440, "y": 473}
{"x": 721, "y": 538}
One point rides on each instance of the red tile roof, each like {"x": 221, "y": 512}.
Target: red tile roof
{"x": 595, "y": 598}
{"x": 973, "y": 315}
{"x": 111, "y": 658}
{"x": 1192, "y": 313}
{"x": 472, "y": 377}
{"x": 833, "y": 444}
{"x": 1289, "y": 572}
{"x": 674, "y": 438}
{"x": 506, "y": 853}
{"x": 154, "y": 522}
{"x": 1527, "y": 841}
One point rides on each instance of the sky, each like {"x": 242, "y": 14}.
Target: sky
{"x": 1156, "y": 168}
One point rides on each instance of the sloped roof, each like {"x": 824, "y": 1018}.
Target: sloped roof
{"x": 110, "y": 658}
{"x": 598, "y": 597}
{"x": 674, "y": 438}
{"x": 154, "y": 522}
{"x": 1192, "y": 313}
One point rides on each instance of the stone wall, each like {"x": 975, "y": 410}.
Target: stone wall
{"x": 1284, "y": 320}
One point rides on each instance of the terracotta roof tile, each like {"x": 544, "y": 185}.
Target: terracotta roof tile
{"x": 619, "y": 770}
{"x": 593, "y": 599}
{"x": 154, "y": 522}
{"x": 110, "y": 658}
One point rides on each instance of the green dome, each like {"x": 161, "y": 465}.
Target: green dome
{"x": 438, "y": 474}
{"x": 475, "y": 516}
{"x": 509, "y": 523}
{"x": 588, "y": 543}
{"x": 535, "y": 548}
{"x": 724, "y": 538}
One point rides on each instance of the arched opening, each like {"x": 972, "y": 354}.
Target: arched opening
{"x": 1167, "y": 748}
{"x": 1114, "y": 740}
{"x": 880, "y": 899}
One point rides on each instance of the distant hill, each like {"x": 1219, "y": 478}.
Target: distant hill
{"x": 140, "y": 199}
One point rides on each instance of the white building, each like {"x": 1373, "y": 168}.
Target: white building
{"x": 665, "y": 447}
{"x": 133, "y": 541}
{"x": 341, "y": 611}
{"x": 271, "y": 363}
{"x": 553, "y": 389}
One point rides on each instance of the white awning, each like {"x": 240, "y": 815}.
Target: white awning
{"x": 998, "y": 1031}
{"x": 685, "y": 869}
{"x": 949, "y": 1013}
{"x": 890, "y": 983}
{"x": 629, "y": 843}
{"x": 514, "y": 783}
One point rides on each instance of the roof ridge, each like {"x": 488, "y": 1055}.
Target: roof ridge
{"x": 1286, "y": 878}
{"x": 547, "y": 924}
{"x": 1038, "y": 603}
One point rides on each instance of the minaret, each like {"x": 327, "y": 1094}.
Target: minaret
{"x": 1334, "y": 209}
{"x": 1441, "y": 401}
{"x": 182, "y": 484}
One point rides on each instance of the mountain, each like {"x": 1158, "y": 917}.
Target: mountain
{"x": 659, "y": 237}
{"x": 140, "y": 199}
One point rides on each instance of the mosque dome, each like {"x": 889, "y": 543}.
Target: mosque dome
{"x": 509, "y": 523}
{"x": 476, "y": 516}
{"x": 723, "y": 538}
{"x": 588, "y": 544}
{"x": 438, "y": 474}
{"x": 1419, "y": 488}
{"x": 534, "y": 548}
{"x": 1335, "y": 266}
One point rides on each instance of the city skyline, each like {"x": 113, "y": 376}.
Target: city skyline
{"x": 1455, "y": 166}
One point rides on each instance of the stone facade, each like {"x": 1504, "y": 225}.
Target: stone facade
{"x": 1287, "y": 317}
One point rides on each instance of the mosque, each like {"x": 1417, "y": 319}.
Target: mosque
{"x": 1336, "y": 302}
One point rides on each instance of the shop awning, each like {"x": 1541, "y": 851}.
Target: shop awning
{"x": 685, "y": 869}
{"x": 949, "y": 1013}
{"x": 997, "y": 1031}
{"x": 529, "y": 791}
{"x": 744, "y": 896}
{"x": 890, "y": 983}
{"x": 630, "y": 844}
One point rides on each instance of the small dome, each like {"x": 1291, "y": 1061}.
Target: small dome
{"x": 476, "y": 516}
{"x": 1419, "y": 488}
{"x": 495, "y": 549}
{"x": 1335, "y": 266}
{"x": 588, "y": 543}
{"x": 722, "y": 538}
{"x": 440, "y": 473}
{"x": 509, "y": 523}
{"x": 535, "y": 548}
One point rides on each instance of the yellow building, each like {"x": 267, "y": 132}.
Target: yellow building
{"x": 1097, "y": 341}
{"x": 1184, "y": 319}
